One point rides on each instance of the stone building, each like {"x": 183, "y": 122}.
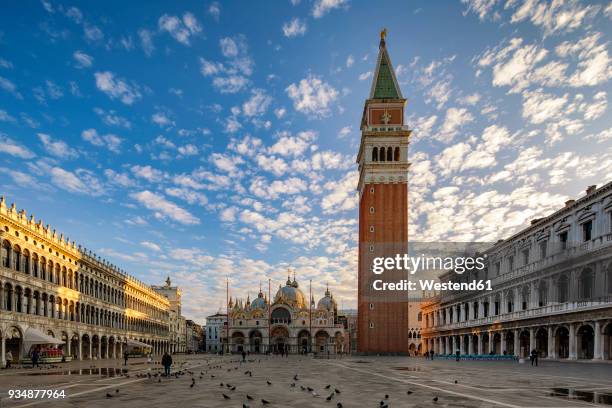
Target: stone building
{"x": 214, "y": 330}
{"x": 177, "y": 323}
{"x": 289, "y": 324}
{"x": 52, "y": 286}
{"x": 552, "y": 290}
{"x": 195, "y": 337}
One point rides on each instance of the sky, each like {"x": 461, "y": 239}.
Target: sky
{"x": 211, "y": 140}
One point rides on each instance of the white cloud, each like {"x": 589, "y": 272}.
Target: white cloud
{"x": 117, "y": 88}
{"x": 111, "y": 118}
{"x": 483, "y": 8}
{"x": 471, "y": 99}
{"x": 6, "y": 117}
{"x": 230, "y": 84}
{"x": 342, "y": 194}
{"x": 13, "y": 148}
{"x": 229, "y": 47}
{"x": 180, "y": 30}
{"x": 57, "y": 148}
{"x": 148, "y": 173}
{"x": 188, "y": 150}
{"x": 455, "y": 119}
{"x": 271, "y": 190}
{"x": 288, "y": 145}
{"x": 365, "y": 75}
{"x": 214, "y": 10}
{"x": 312, "y": 96}
{"x": 109, "y": 141}
{"x": 423, "y": 125}
{"x": 555, "y": 16}
{"x": 294, "y": 28}
{"x": 350, "y": 60}
{"x": 594, "y": 66}
{"x": 344, "y": 132}
{"x": 163, "y": 208}
{"x": 80, "y": 182}
{"x": 258, "y": 103}
{"x": 322, "y": 7}
{"x": 161, "y": 119}
{"x": 280, "y": 113}
{"x": 82, "y": 60}
{"x": 146, "y": 41}
{"x": 151, "y": 245}
{"x": 228, "y": 214}
{"x": 540, "y": 107}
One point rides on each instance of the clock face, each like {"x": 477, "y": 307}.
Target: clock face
{"x": 385, "y": 118}
{"x": 382, "y": 116}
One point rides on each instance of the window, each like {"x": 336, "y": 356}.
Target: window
{"x": 371, "y": 190}
{"x": 371, "y": 248}
{"x": 371, "y": 228}
{"x": 587, "y": 230}
{"x": 563, "y": 240}
{"x": 371, "y": 306}
{"x": 375, "y": 154}
{"x": 371, "y": 210}
{"x": 396, "y": 154}
{"x": 497, "y": 268}
{"x": 371, "y": 325}
{"x": 543, "y": 245}
{"x": 381, "y": 155}
{"x": 389, "y": 154}
{"x": 525, "y": 256}
{"x": 510, "y": 263}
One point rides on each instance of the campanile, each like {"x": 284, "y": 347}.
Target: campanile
{"x": 383, "y": 211}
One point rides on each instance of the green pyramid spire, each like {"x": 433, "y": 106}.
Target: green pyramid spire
{"x": 385, "y": 84}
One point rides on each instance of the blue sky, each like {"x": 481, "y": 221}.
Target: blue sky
{"x": 209, "y": 139}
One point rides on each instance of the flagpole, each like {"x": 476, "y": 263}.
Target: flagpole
{"x": 227, "y": 311}
{"x": 269, "y": 311}
{"x": 310, "y": 317}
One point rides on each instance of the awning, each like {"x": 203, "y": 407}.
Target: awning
{"x": 34, "y": 336}
{"x": 136, "y": 343}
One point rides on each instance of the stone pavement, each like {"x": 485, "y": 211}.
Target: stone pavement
{"x": 362, "y": 382}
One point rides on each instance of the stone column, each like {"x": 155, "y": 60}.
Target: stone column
{"x": 121, "y": 349}
{"x": 470, "y": 345}
{"x": 3, "y": 350}
{"x": 480, "y": 343}
{"x": 517, "y": 343}
{"x": 90, "y": 348}
{"x": 462, "y": 344}
{"x": 502, "y": 343}
{"x": 532, "y": 342}
{"x": 68, "y": 345}
{"x": 551, "y": 343}
{"x": 572, "y": 342}
{"x": 80, "y": 356}
{"x": 491, "y": 342}
{"x": 447, "y": 345}
{"x": 597, "y": 349}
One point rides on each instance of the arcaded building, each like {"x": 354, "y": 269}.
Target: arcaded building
{"x": 552, "y": 290}
{"x": 52, "y": 286}
{"x": 290, "y": 323}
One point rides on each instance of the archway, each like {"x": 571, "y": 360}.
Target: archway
{"x": 542, "y": 342}
{"x": 607, "y": 342}
{"x": 562, "y": 342}
{"x": 281, "y": 315}
{"x": 255, "y": 340}
{"x": 485, "y": 343}
{"x": 585, "y": 342}
{"x": 474, "y": 349}
{"x": 510, "y": 343}
{"x": 279, "y": 338}
{"x": 238, "y": 342}
{"x": 304, "y": 341}
{"x": 321, "y": 341}
{"x": 74, "y": 345}
{"x": 111, "y": 347}
{"x": 14, "y": 340}
{"x": 103, "y": 347}
{"x": 339, "y": 342}
{"x": 497, "y": 343}
{"x": 95, "y": 343}
{"x": 524, "y": 344}
{"x": 86, "y": 347}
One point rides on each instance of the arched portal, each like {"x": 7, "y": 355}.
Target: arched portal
{"x": 238, "y": 342}
{"x": 304, "y": 342}
{"x": 524, "y": 344}
{"x": 542, "y": 342}
{"x": 562, "y": 342}
{"x": 255, "y": 341}
{"x": 279, "y": 339}
{"x": 14, "y": 341}
{"x": 321, "y": 341}
{"x": 585, "y": 341}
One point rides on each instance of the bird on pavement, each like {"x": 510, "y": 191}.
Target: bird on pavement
{"x": 337, "y": 391}
{"x": 269, "y": 382}
{"x": 263, "y": 401}
{"x": 435, "y": 399}
{"x": 226, "y": 396}
{"x": 249, "y": 397}
{"x": 339, "y": 405}
{"x": 108, "y": 395}
{"x": 330, "y": 397}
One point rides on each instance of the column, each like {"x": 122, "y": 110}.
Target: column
{"x": 90, "y": 347}
{"x": 3, "y": 350}
{"x": 446, "y": 345}
{"x": 517, "y": 343}
{"x": 80, "y": 356}
{"x": 551, "y": 343}
{"x": 502, "y": 345}
{"x": 532, "y": 342}
{"x": 491, "y": 342}
{"x": 470, "y": 345}
{"x": 68, "y": 345}
{"x": 99, "y": 351}
{"x": 121, "y": 349}
{"x": 597, "y": 349}
{"x": 480, "y": 343}
{"x": 572, "y": 342}
{"x": 462, "y": 344}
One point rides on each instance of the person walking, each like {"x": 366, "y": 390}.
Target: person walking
{"x": 457, "y": 355}
{"x": 166, "y": 362}
{"x": 243, "y": 356}
{"x": 125, "y": 358}
{"x": 533, "y": 356}
{"x": 431, "y": 354}
{"x": 35, "y": 358}
{"x": 9, "y": 359}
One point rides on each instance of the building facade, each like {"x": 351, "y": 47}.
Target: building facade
{"x": 214, "y": 330}
{"x": 50, "y": 284}
{"x": 383, "y": 210}
{"x": 552, "y": 290}
{"x": 289, "y": 324}
{"x": 177, "y": 323}
{"x": 195, "y": 337}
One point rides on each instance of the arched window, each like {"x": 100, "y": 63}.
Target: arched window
{"x": 381, "y": 156}
{"x": 6, "y": 254}
{"x": 396, "y": 154}
{"x": 586, "y": 284}
{"x": 562, "y": 289}
{"x": 542, "y": 294}
{"x": 610, "y": 278}
{"x": 389, "y": 154}
{"x": 375, "y": 154}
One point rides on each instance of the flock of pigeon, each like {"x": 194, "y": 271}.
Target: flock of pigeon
{"x": 229, "y": 390}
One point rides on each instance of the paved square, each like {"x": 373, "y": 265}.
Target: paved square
{"x": 362, "y": 382}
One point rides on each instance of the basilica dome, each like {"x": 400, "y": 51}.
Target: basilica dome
{"x": 259, "y": 302}
{"x": 291, "y": 295}
{"x": 327, "y": 302}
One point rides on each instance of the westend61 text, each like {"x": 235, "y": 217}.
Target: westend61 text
{"x": 431, "y": 284}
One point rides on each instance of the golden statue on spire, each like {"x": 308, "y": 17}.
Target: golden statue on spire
{"x": 383, "y": 34}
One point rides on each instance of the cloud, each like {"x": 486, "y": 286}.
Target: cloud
{"x": 594, "y": 66}
{"x": 263, "y": 188}
{"x": 181, "y": 31}
{"x": 322, "y": 7}
{"x": 146, "y": 41}
{"x": 82, "y": 60}
{"x": 148, "y": 173}
{"x": 228, "y": 214}
{"x": 57, "y": 148}
{"x": 344, "y": 132}
{"x": 109, "y": 141}
{"x": 342, "y": 194}
{"x": 163, "y": 208}
{"x": 555, "y": 17}
{"x": 312, "y": 96}
{"x": 258, "y": 103}
{"x": 229, "y": 47}
{"x": 350, "y": 60}
{"x": 455, "y": 119}
{"x": 365, "y": 75}
{"x": 483, "y": 8}
{"x": 230, "y": 84}
{"x": 289, "y": 145}
{"x": 117, "y": 88}
{"x": 161, "y": 119}
{"x": 13, "y": 148}
{"x": 294, "y": 28}
{"x": 151, "y": 245}
{"x": 79, "y": 182}
{"x": 215, "y": 10}
{"x": 112, "y": 119}
{"x": 540, "y": 107}
{"x": 6, "y": 117}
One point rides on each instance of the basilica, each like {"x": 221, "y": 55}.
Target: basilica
{"x": 288, "y": 324}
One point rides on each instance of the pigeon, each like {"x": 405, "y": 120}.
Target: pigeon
{"x": 221, "y": 385}
{"x": 456, "y": 381}
{"x": 435, "y": 399}
{"x": 295, "y": 377}
{"x": 109, "y": 395}
{"x": 233, "y": 388}
{"x": 327, "y": 386}
{"x": 269, "y": 382}
{"x": 292, "y": 385}
{"x": 192, "y": 384}
{"x": 159, "y": 380}
{"x": 330, "y": 397}
{"x": 339, "y": 405}
{"x": 337, "y": 391}
{"x": 249, "y": 397}
{"x": 408, "y": 392}
{"x": 386, "y": 396}
{"x": 226, "y": 396}
{"x": 310, "y": 389}
{"x": 263, "y": 401}
{"x": 228, "y": 385}
{"x": 303, "y": 388}
{"x": 244, "y": 405}
{"x": 117, "y": 390}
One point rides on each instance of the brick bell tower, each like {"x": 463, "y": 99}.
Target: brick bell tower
{"x": 383, "y": 211}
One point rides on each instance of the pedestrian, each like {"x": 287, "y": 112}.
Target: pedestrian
{"x": 533, "y": 356}
{"x": 457, "y": 355}
{"x": 431, "y": 354}
{"x": 9, "y": 359}
{"x": 35, "y": 357}
{"x": 125, "y": 358}
{"x": 166, "y": 362}
{"x": 243, "y": 356}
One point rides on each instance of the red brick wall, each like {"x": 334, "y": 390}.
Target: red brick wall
{"x": 390, "y": 236}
